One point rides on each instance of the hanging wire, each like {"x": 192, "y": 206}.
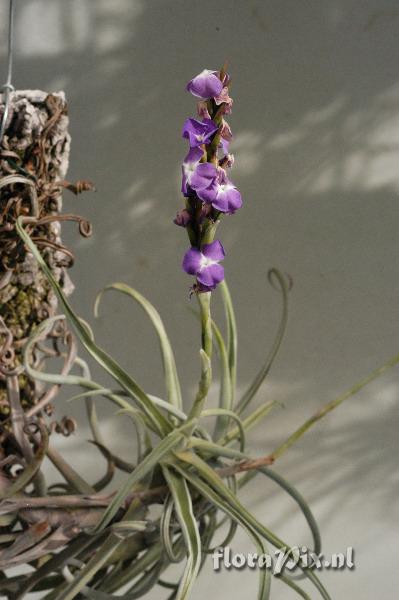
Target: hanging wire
{"x": 8, "y": 87}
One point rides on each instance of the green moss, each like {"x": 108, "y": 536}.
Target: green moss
{"x": 21, "y": 314}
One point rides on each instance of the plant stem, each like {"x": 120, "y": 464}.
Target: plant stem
{"x": 209, "y": 230}
{"x": 204, "y": 300}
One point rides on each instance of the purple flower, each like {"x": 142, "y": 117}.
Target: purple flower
{"x": 189, "y": 167}
{"x": 204, "y": 177}
{"x": 204, "y": 264}
{"x": 213, "y": 186}
{"x": 199, "y": 132}
{"x": 227, "y": 198}
{"x": 206, "y": 85}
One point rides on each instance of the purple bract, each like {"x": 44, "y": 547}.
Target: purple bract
{"x": 183, "y": 218}
{"x": 224, "y": 98}
{"x": 202, "y": 109}
{"x": 224, "y": 145}
{"x": 225, "y": 131}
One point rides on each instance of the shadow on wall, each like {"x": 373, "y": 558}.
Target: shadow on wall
{"x": 351, "y": 463}
{"x": 316, "y": 119}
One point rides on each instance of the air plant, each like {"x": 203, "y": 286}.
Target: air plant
{"x": 87, "y": 540}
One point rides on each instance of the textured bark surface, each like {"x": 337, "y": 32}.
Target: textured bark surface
{"x": 35, "y": 145}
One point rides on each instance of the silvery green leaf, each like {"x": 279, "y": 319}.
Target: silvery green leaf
{"x": 184, "y": 511}
{"x": 160, "y": 424}
{"x": 169, "y": 364}
{"x": 249, "y": 394}
{"x": 231, "y": 333}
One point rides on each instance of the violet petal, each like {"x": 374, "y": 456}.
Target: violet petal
{"x": 198, "y": 132}
{"x": 192, "y": 261}
{"x": 211, "y": 275}
{"x": 214, "y": 251}
{"x": 208, "y": 194}
{"x": 189, "y": 166}
{"x": 228, "y": 199}
{"x": 205, "y": 175}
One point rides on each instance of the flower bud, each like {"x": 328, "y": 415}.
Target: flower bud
{"x": 183, "y": 218}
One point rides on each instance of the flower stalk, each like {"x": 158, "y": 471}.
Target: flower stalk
{"x": 206, "y": 322}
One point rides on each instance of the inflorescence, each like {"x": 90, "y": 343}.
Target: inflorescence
{"x": 208, "y": 191}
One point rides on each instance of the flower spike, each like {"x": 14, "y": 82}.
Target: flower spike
{"x": 208, "y": 191}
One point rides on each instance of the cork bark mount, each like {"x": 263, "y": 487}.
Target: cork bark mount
{"x": 36, "y": 147}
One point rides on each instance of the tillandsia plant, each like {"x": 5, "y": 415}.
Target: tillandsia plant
{"x": 84, "y": 539}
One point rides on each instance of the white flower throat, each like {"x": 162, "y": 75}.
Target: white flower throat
{"x": 207, "y": 262}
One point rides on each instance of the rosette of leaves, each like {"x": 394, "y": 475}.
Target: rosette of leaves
{"x": 103, "y": 544}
